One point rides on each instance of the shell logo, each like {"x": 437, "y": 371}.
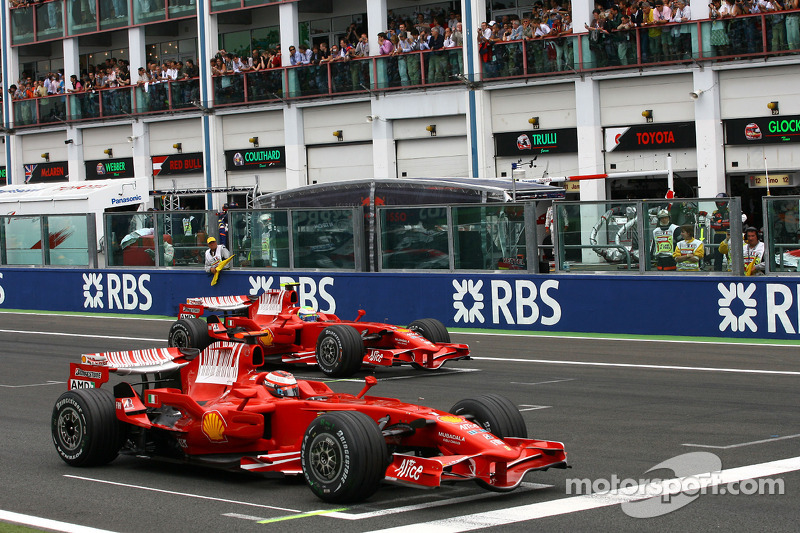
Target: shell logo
{"x": 267, "y": 339}
{"x": 213, "y": 426}
{"x": 451, "y": 419}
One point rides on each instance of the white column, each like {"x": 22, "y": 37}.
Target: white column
{"x": 709, "y": 133}
{"x": 479, "y": 104}
{"x": 590, "y": 138}
{"x": 75, "y": 161}
{"x": 376, "y": 23}
{"x": 295, "y": 147}
{"x": 13, "y": 144}
{"x": 290, "y": 30}
{"x": 142, "y": 164}
{"x": 219, "y": 177}
{"x": 211, "y": 126}
{"x": 582, "y": 14}
{"x": 384, "y": 153}
{"x": 699, "y": 9}
{"x": 136, "y": 51}
{"x": 71, "y": 63}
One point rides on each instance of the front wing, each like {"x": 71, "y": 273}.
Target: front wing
{"x": 432, "y": 471}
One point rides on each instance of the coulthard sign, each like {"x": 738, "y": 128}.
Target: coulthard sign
{"x": 255, "y": 158}
{"x": 762, "y": 130}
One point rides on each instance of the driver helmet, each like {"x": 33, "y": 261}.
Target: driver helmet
{"x": 307, "y": 314}
{"x": 722, "y": 204}
{"x": 663, "y": 214}
{"x": 282, "y": 384}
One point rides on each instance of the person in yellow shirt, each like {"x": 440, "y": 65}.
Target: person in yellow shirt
{"x": 688, "y": 252}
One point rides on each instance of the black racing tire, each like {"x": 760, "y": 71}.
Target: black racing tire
{"x": 431, "y": 329}
{"x": 344, "y": 456}
{"x": 85, "y": 428}
{"x": 340, "y": 351}
{"x": 189, "y": 333}
{"x": 495, "y": 413}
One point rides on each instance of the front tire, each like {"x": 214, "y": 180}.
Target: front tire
{"x": 340, "y": 351}
{"x": 189, "y": 333}
{"x": 85, "y": 428}
{"x": 494, "y": 413}
{"x": 431, "y": 329}
{"x": 344, "y": 456}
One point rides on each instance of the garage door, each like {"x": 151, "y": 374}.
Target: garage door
{"x": 328, "y": 164}
{"x": 434, "y": 157}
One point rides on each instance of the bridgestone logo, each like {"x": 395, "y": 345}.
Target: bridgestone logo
{"x": 80, "y": 373}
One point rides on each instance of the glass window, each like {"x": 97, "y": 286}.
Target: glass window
{"x": 323, "y": 239}
{"x": 237, "y": 42}
{"x": 68, "y": 240}
{"x": 23, "y": 240}
{"x": 783, "y": 228}
{"x": 113, "y": 14}
{"x": 50, "y": 21}
{"x": 129, "y": 239}
{"x": 222, "y": 5}
{"x": 265, "y": 38}
{"x": 188, "y": 233}
{"x": 148, "y": 11}
{"x": 22, "y": 25}
{"x": 414, "y": 238}
{"x": 259, "y": 238}
{"x": 81, "y": 16}
{"x": 182, "y": 8}
{"x": 490, "y": 237}
{"x": 597, "y": 236}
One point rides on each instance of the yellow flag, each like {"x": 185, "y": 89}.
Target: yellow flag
{"x": 220, "y": 265}
{"x": 748, "y": 270}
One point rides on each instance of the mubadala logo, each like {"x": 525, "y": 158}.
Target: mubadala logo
{"x": 311, "y": 292}
{"x": 730, "y": 293}
{"x": 124, "y": 291}
{"x": 518, "y": 302}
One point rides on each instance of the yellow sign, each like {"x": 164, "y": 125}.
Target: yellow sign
{"x": 775, "y": 180}
{"x": 572, "y": 186}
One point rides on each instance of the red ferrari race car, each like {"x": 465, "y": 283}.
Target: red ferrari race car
{"x": 288, "y": 333}
{"x": 216, "y": 408}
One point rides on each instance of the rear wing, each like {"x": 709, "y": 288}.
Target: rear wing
{"x": 94, "y": 368}
{"x": 270, "y": 302}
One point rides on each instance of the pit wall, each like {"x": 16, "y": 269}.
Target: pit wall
{"x": 747, "y": 307}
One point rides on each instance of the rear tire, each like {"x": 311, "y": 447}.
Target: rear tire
{"x": 189, "y": 333}
{"x": 344, "y": 456}
{"x": 340, "y": 351}
{"x": 85, "y": 428}
{"x": 431, "y": 329}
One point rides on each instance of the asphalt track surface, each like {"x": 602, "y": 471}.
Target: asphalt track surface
{"x": 620, "y": 406}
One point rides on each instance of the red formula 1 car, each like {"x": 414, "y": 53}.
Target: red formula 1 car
{"x": 274, "y": 321}
{"x": 216, "y": 408}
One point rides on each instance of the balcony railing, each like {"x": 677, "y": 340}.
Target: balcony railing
{"x": 738, "y": 37}
{"x": 745, "y": 37}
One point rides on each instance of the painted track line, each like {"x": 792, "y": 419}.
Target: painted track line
{"x": 512, "y": 515}
{"x": 46, "y": 523}
{"x": 743, "y": 444}
{"x": 646, "y": 367}
{"x": 88, "y": 315}
{"x": 56, "y": 333}
{"x": 186, "y": 494}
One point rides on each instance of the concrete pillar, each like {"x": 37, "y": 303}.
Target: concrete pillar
{"x": 213, "y": 155}
{"x": 75, "y": 161}
{"x": 709, "y": 133}
{"x": 142, "y": 163}
{"x": 581, "y": 14}
{"x": 479, "y": 107}
{"x": 290, "y": 30}
{"x": 376, "y": 23}
{"x": 590, "y": 138}
{"x": 136, "y": 51}
{"x": 295, "y": 146}
{"x": 699, "y": 9}
{"x": 384, "y": 152}
{"x": 71, "y": 63}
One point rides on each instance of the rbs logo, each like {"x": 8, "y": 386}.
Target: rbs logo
{"x": 125, "y": 291}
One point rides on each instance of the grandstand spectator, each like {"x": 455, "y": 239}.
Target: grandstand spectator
{"x": 660, "y": 38}
{"x": 683, "y": 42}
{"x": 362, "y": 47}
{"x": 793, "y": 25}
{"x": 625, "y": 41}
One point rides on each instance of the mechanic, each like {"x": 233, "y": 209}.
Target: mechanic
{"x": 721, "y": 224}
{"x": 307, "y": 314}
{"x": 665, "y": 236}
{"x": 282, "y": 384}
{"x": 753, "y": 253}
{"x": 688, "y": 252}
{"x": 214, "y": 255}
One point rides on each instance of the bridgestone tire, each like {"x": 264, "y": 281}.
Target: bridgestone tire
{"x": 344, "y": 457}
{"x": 495, "y": 413}
{"x": 431, "y": 329}
{"x": 340, "y": 351}
{"x": 85, "y": 428}
{"x": 189, "y": 333}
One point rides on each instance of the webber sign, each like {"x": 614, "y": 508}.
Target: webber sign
{"x": 764, "y": 130}
{"x": 523, "y": 143}
{"x": 650, "y": 136}
{"x": 103, "y": 169}
{"x": 255, "y": 158}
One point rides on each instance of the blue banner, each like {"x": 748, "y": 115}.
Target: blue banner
{"x": 757, "y": 307}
